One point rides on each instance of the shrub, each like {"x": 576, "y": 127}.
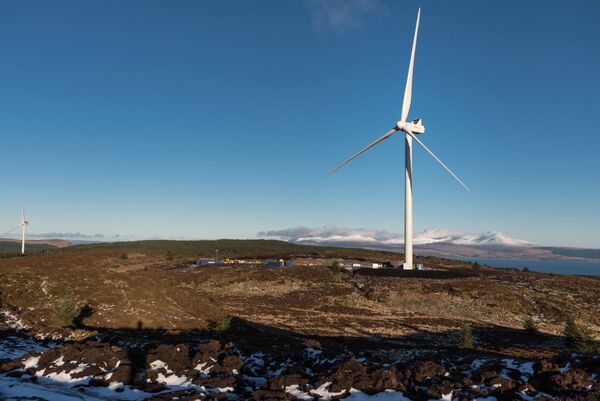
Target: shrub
{"x": 169, "y": 255}
{"x": 525, "y": 269}
{"x": 466, "y": 337}
{"x": 123, "y": 256}
{"x": 579, "y": 337}
{"x": 222, "y": 325}
{"x": 370, "y": 294}
{"x": 530, "y": 327}
{"x": 367, "y": 290}
{"x": 66, "y": 312}
{"x": 476, "y": 266}
{"x": 336, "y": 266}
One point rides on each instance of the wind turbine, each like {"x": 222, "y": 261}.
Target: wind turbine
{"x": 410, "y": 129}
{"x": 24, "y": 224}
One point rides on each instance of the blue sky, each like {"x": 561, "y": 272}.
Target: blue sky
{"x": 219, "y": 119}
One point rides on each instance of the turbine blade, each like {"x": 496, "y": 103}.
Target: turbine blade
{"x": 409, "y": 78}
{"x": 381, "y": 138}
{"x": 10, "y": 231}
{"x": 437, "y": 159}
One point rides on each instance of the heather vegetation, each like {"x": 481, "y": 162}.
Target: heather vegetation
{"x": 232, "y": 248}
{"x": 13, "y": 248}
{"x": 318, "y": 296}
{"x": 472, "y": 321}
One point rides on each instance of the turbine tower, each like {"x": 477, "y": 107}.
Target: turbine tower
{"x": 410, "y": 129}
{"x": 24, "y": 224}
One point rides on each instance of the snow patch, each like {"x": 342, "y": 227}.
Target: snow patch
{"x": 525, "y": 368}
{"x": 325, "y": 394}
{"x": 173, "y": 380}
{"x": 201, "y": 367}
{"x": 13, "y": 321}
{"x": 14, "y": 347}
{"x": 298, "y": 394}
{"x": 312, "y": 353}
{"x": 31, "y": 362}
{"x": 387, "y": 395}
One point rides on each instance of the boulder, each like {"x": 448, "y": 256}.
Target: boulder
{"x": 278, "y": 383}
{"x": 125, "y": 373}
{"x": 346, "y": 375}
{"x": 211, "y": 349}
{"x": 544, "y": 366}
{"x": 428, "y": 369}
{"x": 310, "y": 343}
{"x": 269, "y": 395}
{"x": 177, "y": 358}
{"x": 229, "y": 364}
{"x": 571, "y": 380}
{"x": 221, "y": 381}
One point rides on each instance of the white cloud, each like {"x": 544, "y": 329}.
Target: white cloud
{"x": 342, "y": 15}
{"x": 333, "y": 234}
{"x": 73, "y": 236}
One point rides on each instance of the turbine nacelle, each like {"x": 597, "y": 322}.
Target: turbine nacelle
{"x": 414, "y": 126}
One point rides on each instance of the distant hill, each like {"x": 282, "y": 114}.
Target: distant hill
{"x": 269, "y": 248}
{"x": 574, "y": 252}
{"x": 12, "y": 247}
{"x": 441, "y": 243}
{"x": 57, "y": 243}
{"x": 492, "y": 251}
{"x": 237, "y": 248}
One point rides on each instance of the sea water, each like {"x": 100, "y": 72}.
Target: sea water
{"x": 591, "y": 268}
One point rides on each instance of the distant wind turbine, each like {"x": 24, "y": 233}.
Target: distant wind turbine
{"x": 24, "y": 224}
{"x": 410, "y": 129}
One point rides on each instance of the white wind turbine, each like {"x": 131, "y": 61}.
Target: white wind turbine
{"x": 24, "y": 224}
{"x": 410, "y": 129}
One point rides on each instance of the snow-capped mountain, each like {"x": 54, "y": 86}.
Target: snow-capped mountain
{"x": 434, "y": 242}
{"x": 460, "y": 238}
{"x": 370, "y": 237}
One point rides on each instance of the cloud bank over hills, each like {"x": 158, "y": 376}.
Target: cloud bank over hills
{"x": 443, "y": 243}
{"x": 439, "y": 242}
{"x": 73, "y": 237}
{"x": 371, "y": 237}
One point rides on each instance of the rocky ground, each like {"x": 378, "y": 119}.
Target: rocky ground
{"x": 216, "y": 370}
